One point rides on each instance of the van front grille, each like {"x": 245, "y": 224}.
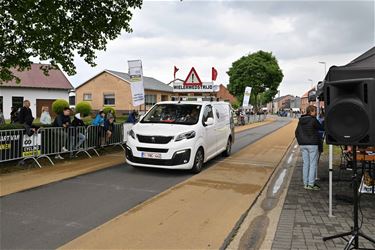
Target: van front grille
{"x": 154, "y": 139}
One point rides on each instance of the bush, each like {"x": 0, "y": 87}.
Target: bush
{"x": 59, "y": 105}
{"x": 11, "y": 126}
{"x": 107, "y": 109}
{"x": 84, "y": 108}
{"x": 236, "y": 104}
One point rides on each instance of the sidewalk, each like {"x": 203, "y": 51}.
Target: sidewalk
{"x": 31, "y": 178}
{"x": 198, "y": 213}
{"x": 304, "y": 218}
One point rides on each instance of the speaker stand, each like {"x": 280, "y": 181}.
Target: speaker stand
{"x": 355, "y": 232}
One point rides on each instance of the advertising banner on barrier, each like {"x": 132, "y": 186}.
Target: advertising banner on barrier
{"x": 31, "y": 145}
{"x": 136, "y": 82}
{"x": 246, "y": 97}
{"x": 10, "y": 145}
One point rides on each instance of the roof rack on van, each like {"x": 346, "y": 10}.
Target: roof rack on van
{"x": 196, "y": 98}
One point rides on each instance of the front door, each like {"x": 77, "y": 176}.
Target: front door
{"x": 44, "y": 103}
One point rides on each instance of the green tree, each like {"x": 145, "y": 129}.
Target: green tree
{"x": 83, "y": 108}
{"x": 260, "y": 71}
{"x": 59, "y": 105}
{"x": 56, "y": 29}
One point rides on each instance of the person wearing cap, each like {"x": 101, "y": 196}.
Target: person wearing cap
{"x": 77, "y": 122}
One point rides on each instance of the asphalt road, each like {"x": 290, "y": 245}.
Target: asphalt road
{"x": 52, "y": 215}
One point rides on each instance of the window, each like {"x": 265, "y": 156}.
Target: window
{"x": 72, "y": 100}
{"x": 1, "y": 104}
{"x": 17, "y": 101}
{"x": 208, "y": 113}
{"x": 87, "y": 97}
{"x": 109, "y": 99}
{"x": 164, "y": 98}
{"x": 150, "y": 100}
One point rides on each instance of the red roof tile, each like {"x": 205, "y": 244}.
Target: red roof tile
{"x": 35, "y": 78}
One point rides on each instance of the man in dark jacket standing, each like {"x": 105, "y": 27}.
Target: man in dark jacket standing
{"x": 307, "y": 134}
{"x": 25, "y": 117}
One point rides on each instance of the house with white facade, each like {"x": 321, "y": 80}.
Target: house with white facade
{"x": 40, "y": 89}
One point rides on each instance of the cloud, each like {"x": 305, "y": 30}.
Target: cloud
{"x": 216, "y": 33}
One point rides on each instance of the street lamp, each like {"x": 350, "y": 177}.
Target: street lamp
{"x": 311, "y": 83}
{"x": 325, "y": 68}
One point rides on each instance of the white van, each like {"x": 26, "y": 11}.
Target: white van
{"x": 181, "y": 135}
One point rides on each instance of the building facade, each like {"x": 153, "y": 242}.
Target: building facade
{"x": 40, "y": 89}
{"x": 225, "y": 95}
{"x": 305, "y": 102}
{"x": 112, "y": 88}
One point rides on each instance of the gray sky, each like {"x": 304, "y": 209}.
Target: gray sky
{"x": 207, "y": 34}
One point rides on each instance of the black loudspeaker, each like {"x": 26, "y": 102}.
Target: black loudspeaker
{"x": 350, "y": 112}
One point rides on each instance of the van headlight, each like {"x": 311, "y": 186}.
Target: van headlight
{"x": 187, "y": 135}
{"x": 132, "y": 134}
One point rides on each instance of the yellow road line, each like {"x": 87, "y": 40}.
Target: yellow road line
{"x": 200, "y": 212}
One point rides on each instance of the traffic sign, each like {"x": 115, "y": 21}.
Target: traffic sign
{"x": 193, "y": 79}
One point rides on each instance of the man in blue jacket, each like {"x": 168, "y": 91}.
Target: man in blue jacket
{"x": 307, "y": 134}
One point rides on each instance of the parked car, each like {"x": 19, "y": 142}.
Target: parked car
{"x": 181, "y": 135}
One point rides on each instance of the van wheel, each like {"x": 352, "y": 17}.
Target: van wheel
{"x": 198, "y": 161}
{"x": 228, "y": 149}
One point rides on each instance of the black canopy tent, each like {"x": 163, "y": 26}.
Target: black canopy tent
{"x": 361, "y": 67}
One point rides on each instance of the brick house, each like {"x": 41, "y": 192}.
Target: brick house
{"x": 112, "y": 88}
{"x": 225, "y": 95}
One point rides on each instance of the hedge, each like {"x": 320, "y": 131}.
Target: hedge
{"x": 59, "y": 105}
{"x": 107, "y": 109}
{"x": 84, "y": 108}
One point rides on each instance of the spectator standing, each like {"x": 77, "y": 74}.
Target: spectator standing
{"x": 2, "y": 119}
{"x": 77, "y": 122}
{"x": 63, "y": 121}
{"x": 111, "y": 114}
{"x": 25, "y": 118}
{"x": 132, "y": 117}
{"x": 99, "y": 119}
{"x": 108, "y": 128}
{"x": 13, "y": 115}
{"x": 45, "y": 117}
{"x": 307, "y": 134}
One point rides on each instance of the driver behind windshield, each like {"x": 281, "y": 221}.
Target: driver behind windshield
{"x": 192, "y": 117}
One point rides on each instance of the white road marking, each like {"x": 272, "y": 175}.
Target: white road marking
{"x": 279, "y": 182}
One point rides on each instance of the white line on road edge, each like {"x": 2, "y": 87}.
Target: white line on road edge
{"x": 279, "y": 182}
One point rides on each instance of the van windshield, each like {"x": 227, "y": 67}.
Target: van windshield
{"x": 186, "y": 114}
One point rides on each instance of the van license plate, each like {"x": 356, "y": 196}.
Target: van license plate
{"x": 151, "y": 155}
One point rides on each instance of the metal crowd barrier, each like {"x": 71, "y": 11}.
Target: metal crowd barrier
{"x": 53, "y": 141}
{"x": 251, "y": 119}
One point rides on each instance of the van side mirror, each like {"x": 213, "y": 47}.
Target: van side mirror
{"x": 209, "y": 122}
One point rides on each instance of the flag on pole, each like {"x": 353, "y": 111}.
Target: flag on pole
{"x": 175, "y": 71}
{"x": 214, "y": 74}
